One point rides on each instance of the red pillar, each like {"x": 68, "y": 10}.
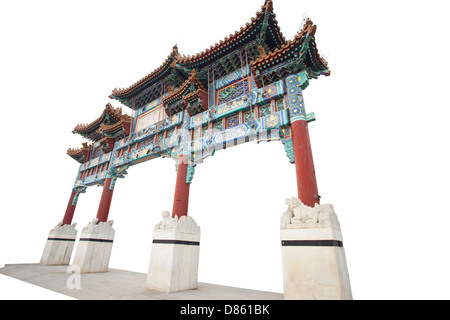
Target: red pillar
{"x": 181, "y": 198}
{"x": 304, "y": 165}
{"x": 70, "y": 210}
{"x": 105, "y": 201}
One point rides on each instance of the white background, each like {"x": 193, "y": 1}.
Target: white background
{"x": 379, "y": 143}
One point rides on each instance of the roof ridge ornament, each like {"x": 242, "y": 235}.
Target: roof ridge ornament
{"x": 268, "y": 6}
{"x": 305, "y": 18}
{"x": 175, "y": 52}
{"x": 262, "y": 52}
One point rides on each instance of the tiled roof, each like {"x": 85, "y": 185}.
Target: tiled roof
{"x": 148, "y": 78}
{"x": 303, "y": 39}
{"x": 113, "y": 113}
{"x": 125, "y": 120}
{"x": 236, "y": 37}
{"x": 180, "y": 90}
{"x": 231, "y": 42}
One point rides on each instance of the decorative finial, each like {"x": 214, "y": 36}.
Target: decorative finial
{"x": 262, "y": 51}
{"x": 268, "y": 6}
{"x": 175, "y": 51}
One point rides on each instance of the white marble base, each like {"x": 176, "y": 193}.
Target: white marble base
{"x": 94, "y": 247}
{"x": 175, "y": 255}
{"x": 59, "y": 246}
{"x": 313, "y": 256}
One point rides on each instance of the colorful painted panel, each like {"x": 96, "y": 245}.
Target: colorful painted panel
{"x": 233, "y": 91}
{"x": 96, "y": 153}
{"x": 286, "y": 133}
{"x": 202, "y": 118}
{"x": 151, "y": 105}
{"x": 272, "y": 91}
{"x": 93, "y": 163}
{"x": 197, "y": 145}
{"x": 185, "y": 140}
{"x": 279, "y": 66}
{"x": 205, "y": 130}
{"x": 197, "y": 120}
{"x": 273, "y": 124}
{"x": 303, "y": 79}
{"x": 269, "y": 91}
{"x": 170, "y": 132}
{"x": 151, "y": 117}
{"x": 145, "y": 143}
{"x": 119, "y": 144}
{"x": 280, "y": 104}
{"x": 230, "y": 107}
{"x": 272, "y": 121}
{"x": 261, "y": 96}
{"x": 196, "y": 133}
{"x": 294, "y": 99}
{"x": 198, "y": 157}
{"x": 217, "y": 126}
{"x": 265, "y": 110}
{"x": 247, "y": 116}
{"x": 160, "y": 137}
{"x": 238, "y": 132}
{"x": 176, "y": 119}
{"x": 106, "y": 157}
{"x": 212, "y": 95}
{"x": 268, "y": 135}
{"x": 101, "y": 175}
{"x": 232, "y": 77}
{"x": 89, "y": 180}
{"x": 172, "y": 141}
{"x": 232, "y": 121}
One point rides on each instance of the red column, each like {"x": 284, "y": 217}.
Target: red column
{"x": 70, "y": 210}
{"x": 181, "y": 198}
{"x": 304, "y": 165}
{"x": 105, "y": 201}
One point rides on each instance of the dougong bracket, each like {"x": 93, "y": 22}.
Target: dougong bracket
{"x": 77, "y": 190}
{"x": 115, "y": 173}
{"x": 289, "y": 148}
{"x": 190, "y": 173}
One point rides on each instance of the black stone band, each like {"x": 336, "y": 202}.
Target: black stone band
{"x": 60, "y": 239}
{"x": 187, "y": 243}
{"x": 311, "y": 243}
{"x": 96, "y": 240}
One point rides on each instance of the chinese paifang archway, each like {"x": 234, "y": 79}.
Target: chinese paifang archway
{"x": 245, "y": 88}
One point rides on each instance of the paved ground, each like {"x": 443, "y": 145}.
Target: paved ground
{"x": 122, "y": 285}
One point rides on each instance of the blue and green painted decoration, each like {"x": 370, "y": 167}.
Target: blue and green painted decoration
{"x": 236, "y": 99}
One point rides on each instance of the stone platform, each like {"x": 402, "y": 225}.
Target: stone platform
{"x": 121, "y": 285}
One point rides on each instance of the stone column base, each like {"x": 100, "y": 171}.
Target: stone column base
{"x": 313, "y": 256}
{"x": 59, "y": 246}
{"x": 175, "y": 255}
{"x": 94, "y": 247}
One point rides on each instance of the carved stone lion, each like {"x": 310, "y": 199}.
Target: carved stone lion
{"x": 167, "y": 222}
{"x": 299, "y": 215}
